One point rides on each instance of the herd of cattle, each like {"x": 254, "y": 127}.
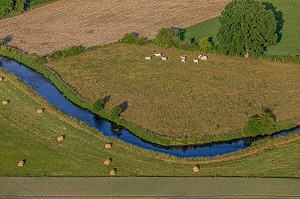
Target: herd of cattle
{"x": 183, "y": 58}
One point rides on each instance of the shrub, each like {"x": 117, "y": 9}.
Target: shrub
{"x": 116, "y": 111}
{"x": 132, "y": 38}
{"x": 262, "y": 124}
{"x": 169, "y": 37}
{"x": 98, "y": 105}
{"x": 205, "y": 44}
{"x": 68, "y": 52}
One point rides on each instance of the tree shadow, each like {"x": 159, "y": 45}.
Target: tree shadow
{"x": 106, "y": 99}
{"x": 124, "y": 106}
{"x": 269, "y": 112}
{"x": 6, "y": 40}
{"x": 279, "y": 19}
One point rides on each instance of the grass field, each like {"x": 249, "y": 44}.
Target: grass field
{"x": 67, "y": 23}
{"x": 178, "y": 100}
{"x": 26, "y": 135}
{"x": 290, "y": 43}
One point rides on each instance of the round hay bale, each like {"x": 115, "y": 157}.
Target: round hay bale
{"x": 40, "y": 111}
{"x": 1, "y": 78}
{"x": 108, "y": 145}
{"x": 107, "y": 161}
{"x": 21, "y": 163}
{"x": 59, "y": 138}
{"x": 5, "y": 102}
{"x": 113, "y": 172}
{"x": 196, "y": 168}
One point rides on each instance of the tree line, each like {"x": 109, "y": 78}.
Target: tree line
{"x": 8, "y": 7}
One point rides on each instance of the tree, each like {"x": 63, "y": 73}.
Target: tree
{"x": 169, "y": 37}
{"x": 246, "y": 28}
{"x": 6, "y": 7}
{"x": 204, "y": 44}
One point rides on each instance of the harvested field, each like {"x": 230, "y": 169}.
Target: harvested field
{"x": 87, "y": 22}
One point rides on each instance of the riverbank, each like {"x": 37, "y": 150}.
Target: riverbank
{"x": 24, "y": 135}
{"x": 149, "y": 136}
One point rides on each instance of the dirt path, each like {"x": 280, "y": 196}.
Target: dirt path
{"x": 88, "y": 22}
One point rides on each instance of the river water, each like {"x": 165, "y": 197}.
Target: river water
{"x": 46, "y": 89}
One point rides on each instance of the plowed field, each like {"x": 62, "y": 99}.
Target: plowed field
{"x": 67, "y": 23}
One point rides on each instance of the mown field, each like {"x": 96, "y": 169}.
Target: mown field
{"x": 183, "y": 100}
{"x": 289, "y": 43}
{"x": 27, "y": 135}
{"x": 67, "y": 23}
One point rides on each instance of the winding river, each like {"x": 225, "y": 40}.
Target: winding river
{"x": 46, "y": 89}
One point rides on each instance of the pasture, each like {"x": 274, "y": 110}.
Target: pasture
{"x": 289, "y": 43}
{"x": 183, "y": 100}
{"x": 65, "y": 23}
{"x": 24, "y": 134}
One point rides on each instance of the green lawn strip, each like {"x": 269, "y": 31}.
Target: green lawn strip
{"x": 27, "y": 135}
{"x": 290, "y": 43}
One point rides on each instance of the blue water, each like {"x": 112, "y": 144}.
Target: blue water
{"x": 46, "y": 89}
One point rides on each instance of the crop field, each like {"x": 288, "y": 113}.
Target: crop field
{"x": 87, "y": 22}
{"x": 26, "y": 135}
{"x": 289, "y": 43}
{"x": 189, "y": 100}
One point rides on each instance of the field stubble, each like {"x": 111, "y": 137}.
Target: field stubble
{"x": 67, "y": 23}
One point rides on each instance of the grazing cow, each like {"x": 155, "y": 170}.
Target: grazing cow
{"x": 204, "y": 57}
{"x": 148, "y": 58}
{"x": 183, "y": 58}
{"x": 196, "y": 61}
{"x": 158, "y": 54}
{"x": 164, "y": 58}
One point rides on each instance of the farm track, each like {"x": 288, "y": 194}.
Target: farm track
{"x": 67, "y": 23}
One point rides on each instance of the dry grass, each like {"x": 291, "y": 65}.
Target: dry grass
{"x": 183, "y": 99}
{"x": 67, "y": 23}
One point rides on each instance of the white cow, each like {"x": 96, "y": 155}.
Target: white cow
{"x": 196, "y": 61}
{"x": 148, "y": 58}
{"x": 204, "y": 57}
{"x": 183, "y": 58}
{"x": 164, "y": 58}
{"x": 158, "y": 54}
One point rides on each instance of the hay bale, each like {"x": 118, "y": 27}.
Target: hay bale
{"x": 1, "y": 78}
{"x": 21, "y": 163}
{"x": 196, "y": 168}
{"x": 107, "y": 161}
{"x": 5, "y": 102}
{"x": 113, "y": 172}
{"x": 40, "y": 111}
{"x": 60, "y": 138}
{"x": 108, "y": 145}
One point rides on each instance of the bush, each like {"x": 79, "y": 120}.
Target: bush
{"x": 116, "y": 111}
{"x": 132, "y": 38}
{"x": 205, "y": 45}
{"x": 262, "y": 124}
{"x": 68, "y": 52}
{"x": 169, "y": 37}
{"x": 98, "y": 105}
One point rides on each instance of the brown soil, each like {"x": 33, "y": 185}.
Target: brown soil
{"x": 67, "y": 23}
